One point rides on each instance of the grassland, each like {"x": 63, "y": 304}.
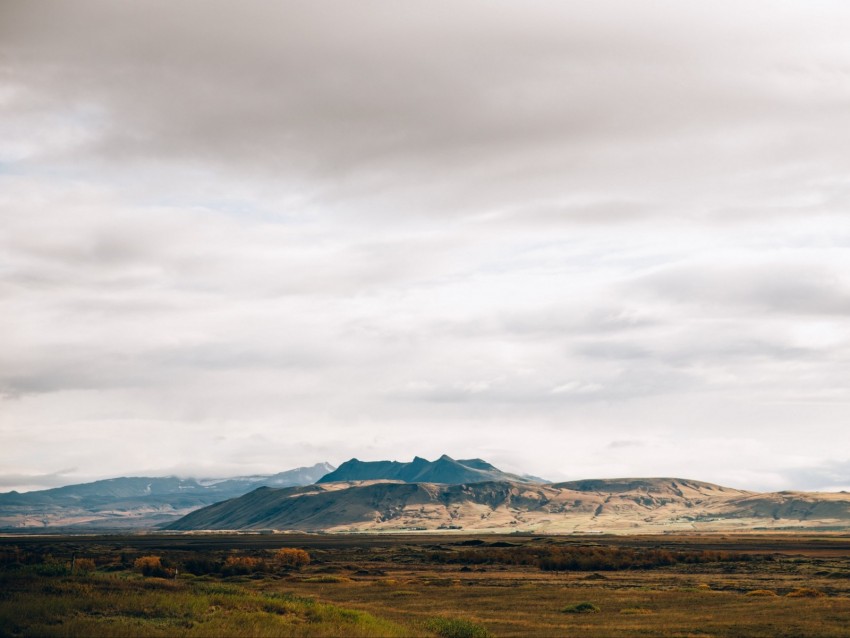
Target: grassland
{"x": 426, "y": 585}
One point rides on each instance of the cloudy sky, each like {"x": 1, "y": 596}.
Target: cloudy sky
{"x": 578, "y": 239}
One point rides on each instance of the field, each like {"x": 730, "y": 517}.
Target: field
{"x": 425, "y": 585}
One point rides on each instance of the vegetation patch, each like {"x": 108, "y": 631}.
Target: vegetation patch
{"x": 326, "y": 578}
{"x": 581, "y": 608}
{"x": 590, "y": 558}
{"x": 456, "y": 628}
{"x": 124, "y": 605}
{"x": 805, "y": 592}
{"x": 762, "y": 592}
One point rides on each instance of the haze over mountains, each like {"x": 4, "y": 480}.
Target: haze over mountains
{"x": 135, "y": 501}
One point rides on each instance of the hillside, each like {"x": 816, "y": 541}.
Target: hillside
{"x": 135, "y": 501}
{"x": 443, "y": 470}
{"x": 615, "y": 505}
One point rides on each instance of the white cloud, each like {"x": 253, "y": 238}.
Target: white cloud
{"x": 284, "y": 235}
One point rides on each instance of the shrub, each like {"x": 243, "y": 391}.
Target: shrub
{"x": 152, "y": 566}
{"x": 242, "y": 565}
{"x": 202, "y": 565}
{"x": 291, "y": 558}
{"x": 805, "y": 592}
{"x": 761, "y": 592}
{"x": 84, "y": 565}
{"x": 51, "y": 568}
{"x": 581, "y": 608}
{"x": 456, "y": 628}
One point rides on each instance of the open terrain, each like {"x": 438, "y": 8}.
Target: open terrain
{"x": 426, "y": 585}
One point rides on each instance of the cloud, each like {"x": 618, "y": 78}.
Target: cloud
{"x": 625, "y": 443}
{"x": 831, "y": 475}
{"x": 39, "y": 481}
{"x": 525, "y": 231}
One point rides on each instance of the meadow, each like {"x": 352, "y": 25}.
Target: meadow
{"x": 449, "y": 585}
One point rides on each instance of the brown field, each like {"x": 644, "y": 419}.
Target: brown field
{"x": 426, "y": 585}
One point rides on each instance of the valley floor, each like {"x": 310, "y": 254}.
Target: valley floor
{"x": 426, "y": 585}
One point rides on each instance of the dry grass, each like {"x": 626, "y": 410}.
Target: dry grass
{"x": 379, "y": 587}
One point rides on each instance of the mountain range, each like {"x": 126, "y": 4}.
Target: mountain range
{"x": 135, "y": 502}
{"x": 646, "y": 505}
{"x": 446, "y": 494}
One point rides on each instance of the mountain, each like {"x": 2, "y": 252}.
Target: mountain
{"x": 444, "y": 470}
{"x": 591, "y": 506}
{"x": 135, "y": 501}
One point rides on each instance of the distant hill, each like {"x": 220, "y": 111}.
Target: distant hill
{"x": 599, "y": 505}
{"x": 135, "y": 501}
{"x": 444, "y": 470}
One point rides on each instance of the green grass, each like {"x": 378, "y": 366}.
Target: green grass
{"x": 126, "y": 605}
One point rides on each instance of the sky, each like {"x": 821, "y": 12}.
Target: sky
{"x": 575, "y": 239}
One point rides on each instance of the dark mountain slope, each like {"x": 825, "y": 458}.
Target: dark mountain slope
{"x": 443, "y": 470}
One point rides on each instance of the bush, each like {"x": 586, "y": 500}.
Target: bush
{"x": 201, "y": 566}
{"x": 456, "y": 628}
{"x": 761, "y": 592}
{"x": 291, "y": 558}
{"x": 51, "y": 568}
{"x": 152, "y": 566}
{"x": 581, "y": 608}
{"x": 84, "y": 565}
{"x": 242, "y": 565}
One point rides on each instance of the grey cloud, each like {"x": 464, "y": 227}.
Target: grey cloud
{"x": 43, "y": 481}
{"x": 781, "y": 287}
{"x": 714, "y": 345}
{"x": 829, "y": 475}
{"x": 520, "y": 102}
{"x": 625, "y": 443}
{"x": 545, "y": 391}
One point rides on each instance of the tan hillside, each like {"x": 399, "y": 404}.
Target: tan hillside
{"x": 605, "y": 505}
